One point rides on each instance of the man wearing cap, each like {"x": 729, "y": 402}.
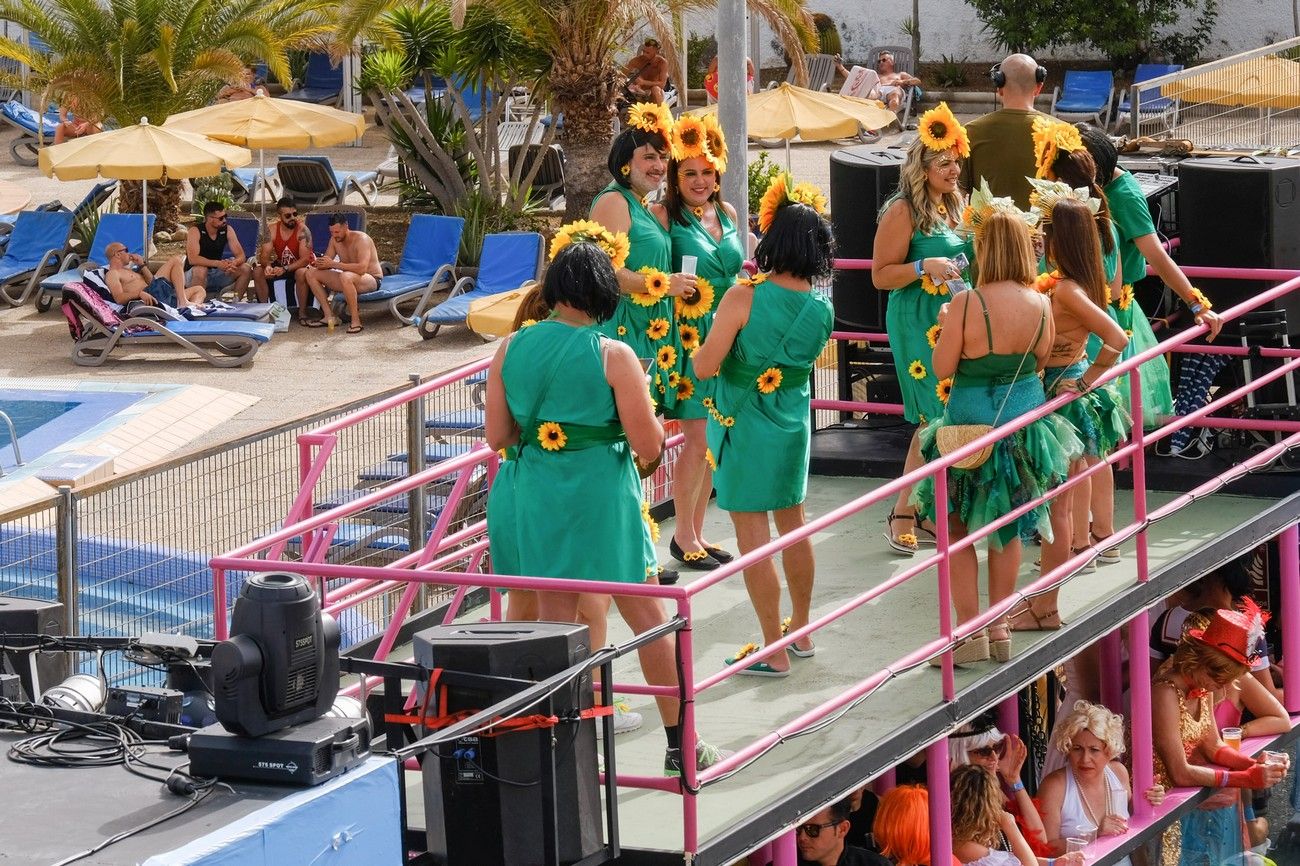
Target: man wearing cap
{"x": 1002, "y": 142}
{"x": 350, "y": 265}
{"x": 125, "y": 283}
{"x": 647, "y": 74}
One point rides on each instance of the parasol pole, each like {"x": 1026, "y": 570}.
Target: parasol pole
{"x": 266, "y": 187}
{"x": 787, "y": 155}
{"x": 144, "y": 213}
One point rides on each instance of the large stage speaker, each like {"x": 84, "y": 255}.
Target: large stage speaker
{"x": 31, "y": 616}
{"x": 472, "y": 815}
{"x": 862, "y": 178}
{"x": 1241, "y": 212}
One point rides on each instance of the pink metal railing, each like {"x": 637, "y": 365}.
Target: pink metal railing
{"x": 431, "y": 563}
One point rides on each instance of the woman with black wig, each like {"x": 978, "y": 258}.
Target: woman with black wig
{"x": 574, "y": 406}
{"x": 765, "y": 338}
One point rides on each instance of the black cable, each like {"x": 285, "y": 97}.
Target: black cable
{"x": 194, "y": 799}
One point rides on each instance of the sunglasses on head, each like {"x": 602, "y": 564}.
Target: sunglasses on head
{"x": 812, "y": 831}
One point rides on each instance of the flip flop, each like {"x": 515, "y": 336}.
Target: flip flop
{"x": 757, "y": 669}
{"x": 311, "y": 323}
{"x": 356, "y": 329}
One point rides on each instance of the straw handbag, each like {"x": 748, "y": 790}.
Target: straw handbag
{"x": 950, "y": 437}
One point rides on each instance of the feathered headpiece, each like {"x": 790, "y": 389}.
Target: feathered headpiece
{"x": 1053, "y": 137}
{"x": 940, "y": 130}
{"x": 983, "y": 204}
{"x": 1235, "y": 633}
{"x": 615, "y": 244}
{"x": 651, "y": 117}
{"x": 783, "y": 191}
{"x": 1044, "y": 195}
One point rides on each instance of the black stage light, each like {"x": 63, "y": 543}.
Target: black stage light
{"x": 280, "y": 666}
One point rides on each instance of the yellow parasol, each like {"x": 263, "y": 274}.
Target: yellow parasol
{"x": 1260, "y": 82}
{"x": 263, "y": 122}
{"x": 141, "y": 152}
{"x": 788, "y": 111}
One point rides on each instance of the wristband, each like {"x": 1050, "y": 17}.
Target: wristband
{"x": 1018, "y": 786}
{"x": 920, "y": 266}
{"x": 1221, "y": 778}
{"x": 1196, "y": 309}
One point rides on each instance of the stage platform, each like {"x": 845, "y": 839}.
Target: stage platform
{"x": 801, "y": 775}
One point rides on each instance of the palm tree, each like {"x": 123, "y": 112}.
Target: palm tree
{"x": 581, "y": 39}
{"x": 123, "y": 60}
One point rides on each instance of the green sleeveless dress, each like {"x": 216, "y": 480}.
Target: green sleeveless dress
{"x": 759, "y": 428}
{"x": 651, "y": 330}
{"x": 911, "y": 321}
{"x": 1022, "y": 466}
{"x": 569, "y": 504}
{"x": 718, "y": 264}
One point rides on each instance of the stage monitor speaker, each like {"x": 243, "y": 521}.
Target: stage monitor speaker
{"x": 472, "y": 815}
{"x": 862, "y": 179}
{"x": 32, "y": 616}
{"x": 1243, "y": 213}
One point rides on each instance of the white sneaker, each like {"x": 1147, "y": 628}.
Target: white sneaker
{"x": 624, "y": 719}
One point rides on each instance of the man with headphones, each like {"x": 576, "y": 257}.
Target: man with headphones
{"x": 1002, "y": 142}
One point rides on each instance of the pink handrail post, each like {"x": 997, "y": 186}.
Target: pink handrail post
{"x": 1009, "y": 714}
{"x": 936, "y": 779}
{"x": 885, "y": 782}
{"x": 1139, "y": 676}
{"x": 785, "y": 852}
{"x": 1138, "y": 438}
{"x": 689, "y": 736}
{"x": 1288, "y": 548}
{"x": 220, "y": 614}
{"x": 945, "y": 585}
{"x": 1112, "y": 671}
{"x": 762, "y": 856}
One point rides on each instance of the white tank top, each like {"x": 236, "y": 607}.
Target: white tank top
{"x": 1074, "y": 815}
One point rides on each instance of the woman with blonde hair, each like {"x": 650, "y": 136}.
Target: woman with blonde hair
{"x": 1091, "y": 793}
{"x": 917, "y": 252}
{"x": 983, "y": 833}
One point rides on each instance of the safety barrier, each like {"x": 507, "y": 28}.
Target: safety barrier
{"x": 453, "y": 555}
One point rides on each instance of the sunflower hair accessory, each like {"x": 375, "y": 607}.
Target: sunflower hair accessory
{"x": 1045, "y": 195}
{"x": 688, "y": 138}
{"x": 940, "y": 130}
{"x": 614, "y": 244}
{"x": 651, "y": 117}
{"x": 783, "y": 191}
{"x": 1052, "y": 138}
{"x": 715, "y": 143}
{"x": 983, "y": 204}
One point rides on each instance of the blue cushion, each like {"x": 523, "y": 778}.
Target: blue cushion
{"x": 124, "y": 228}
{"x": 35, "y": 234}
{"x": 459, "y": 419}
{"x": 28, "y": 119}
{"x": 509, "y": 260}
{"x": 456, "y": 309}
{"x": 217, "y": 328}
{"x": 431, "y": 242}
{"x": 246, "y": 229}
{"x": 318, "y": 224}
{"x": 1085, "y": 91}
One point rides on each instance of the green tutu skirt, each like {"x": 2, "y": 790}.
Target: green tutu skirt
{"x": 1098, "y": 417}
{"x": 1020, "y": 468}
{"x": 1157, "y": 393}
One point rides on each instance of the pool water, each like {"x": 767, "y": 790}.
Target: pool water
{"x": 46, "y": 419}
{"x": 28, "y": 415}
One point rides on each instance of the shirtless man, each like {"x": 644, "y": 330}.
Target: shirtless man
{"x": 355, "y": 272}
{"x": 126, "y": 284}
{"x": 647, "y": 74}
{"x": 892, "y": 82}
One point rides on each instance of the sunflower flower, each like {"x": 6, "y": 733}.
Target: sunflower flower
{"x": 1044, "y": 283}
{"x": 551, "y": 436}
{"x": 650, "y": 521}
{"x": 1198, "y": 297}
{"x": 707, "y": 402}
{"x": 930, "y": 287}
{"x": 702, "y": 303}
{"x": 527, "y": 323}
{"x": 769, "y": 380}
{"x": 1125, "y": 296}
{"x": 944, "y": 389}
{"x": 656, "y": 282}
{"x": 690, "y": 336}
{"x": 688, "y": 138}
{"x": 939, "y": 129}
{"x": 715, "y": 143}
{"x": 666, "y": 357}
{"x": 916, "y": 370}
{"x": 685, "y": 388}
{"x": 658, "y": 329}
{"x": 932, "y": 335}
{"x": 621, "y": 330}
{"x": 673, "y": 378}
{"x": 614, "y": 244}
{"x": 808, "y": 193}
{"x": 772, "y": 201}
{"x": 1052, "y": 137}
{"x": 752, "y": 281}
{"x": 651, "y": 117}
{"x": 710, "y": 459}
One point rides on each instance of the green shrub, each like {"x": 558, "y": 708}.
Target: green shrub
{"x": 215, "y": 188}
{"x": 950, "y": 72}
{"x": 761, "y": 173}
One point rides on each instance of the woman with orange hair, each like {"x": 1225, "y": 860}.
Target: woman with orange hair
{"x": 902, "y": 826}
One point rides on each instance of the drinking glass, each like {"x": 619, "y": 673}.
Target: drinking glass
{"x": 1075, "y": 843}
{"x": 1232, "y": 737}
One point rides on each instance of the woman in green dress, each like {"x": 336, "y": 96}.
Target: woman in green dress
{"x": 573, "y": 405}
{"x": 705, "y": 242}
{"x": 765, "y": 339}
{"x": 915, "y": 255}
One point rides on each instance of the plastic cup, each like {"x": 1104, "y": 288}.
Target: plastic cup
{"x": 1075, "y": 843}
{"x": 1086, "y": 832}
{"x": 1231, "y": 737}
{"x": 688, "y": 265}
{"x": 1277, "y": 758}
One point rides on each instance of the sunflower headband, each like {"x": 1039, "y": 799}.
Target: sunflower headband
{"x": 940, "y": 130}
{"x": 651, "y": 117}
{"x": 1044, "y": 195}
{"x": 983, "y": 204}
{"x": 783, "y": 191}
{"x": 700, "y": 136}
{"x": 614, "y": 244}
{"x": 1052, "y": 138}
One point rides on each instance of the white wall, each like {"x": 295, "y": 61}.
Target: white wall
{"x": 951, "y": 27}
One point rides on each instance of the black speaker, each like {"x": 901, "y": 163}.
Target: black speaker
{"x": 1241, "y": 212}
{"x": 487, "y": 809}
{"x": 862, "y": 178}
{"x": 31, "y": 616}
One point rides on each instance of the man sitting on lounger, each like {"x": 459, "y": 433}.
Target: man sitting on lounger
{"x": 285, "y": 257}
{"x": 350, "y": 265}
{"x": 205, "y": 244}
{"x": 126, "y": 284}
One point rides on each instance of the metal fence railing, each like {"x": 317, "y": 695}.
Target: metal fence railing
{"x": 1250, "y": 101}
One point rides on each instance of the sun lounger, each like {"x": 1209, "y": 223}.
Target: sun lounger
{"x": 97, "y": 331}
{"x": 1152, "y": 106}
{"x": 124, "y": 228}
{"x": 37, "y": 241}
{"x": 247, "y": 183}
{"x": 31, "y": 126}
{"x": 322, "y": 83}
{"x": 509, "y": 260}
{"x": 313, "y": 180}
{"x": 1085, "y": 94}
{"x": 428, "y": 262}
{"x": 318, "y": 223}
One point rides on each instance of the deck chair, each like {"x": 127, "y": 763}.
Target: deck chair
{"x": 428, "y": 263}
{"x": 25, "y": 148}
{"x": 247, "y": 183}
{"x": 1085, "y": 94}
{"x": 548, "y": 185}
{"x": 821, "y": 72}
{"x": 318, "y": 223}
{"x": 35, "y": 245}
{"x": 96, "y": 200}
{"x": 1153, "y": 106}
{"x": 97, "y": 330}
{"x": 509, "y": 260}
{"x": 322, "y": 83}
{"x": 313, "y": 180}
{"x": 903, "y": 62}
{"x": 123, "y": 228}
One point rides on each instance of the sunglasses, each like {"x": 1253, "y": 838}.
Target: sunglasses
{"x": 987, "y": 752}
{"x": 289, "y": 214}
{"x": 812, "y": 831}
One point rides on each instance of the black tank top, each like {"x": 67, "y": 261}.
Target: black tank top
{"x": 212, "y": 248}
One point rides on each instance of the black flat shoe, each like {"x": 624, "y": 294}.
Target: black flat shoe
{"x": 719, "y": 554}
{"x": 700, "y": 560}
{"x": 667, "y": 576}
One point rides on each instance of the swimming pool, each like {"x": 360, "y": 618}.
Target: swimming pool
{"x": 45, "y": 419}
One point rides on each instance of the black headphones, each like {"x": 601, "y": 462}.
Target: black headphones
{"x": 1000, "y": 78}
